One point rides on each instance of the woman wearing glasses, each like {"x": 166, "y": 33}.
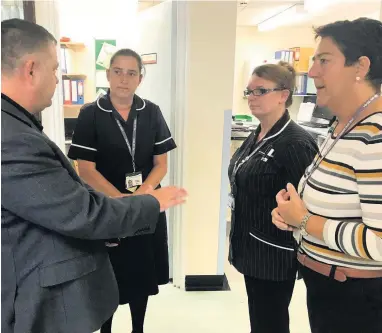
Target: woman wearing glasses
{"x": 338, "y": 210}
{"x": 277, "y": 153}
{"x": 121, "y": 143}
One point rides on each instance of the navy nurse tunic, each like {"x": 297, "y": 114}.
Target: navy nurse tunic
{"x": 140, "y": 263}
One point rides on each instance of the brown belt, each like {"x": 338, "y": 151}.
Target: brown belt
{"x": 338, "y": 273}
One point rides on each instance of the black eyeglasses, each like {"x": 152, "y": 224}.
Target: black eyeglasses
{"x": 260, "y": 91}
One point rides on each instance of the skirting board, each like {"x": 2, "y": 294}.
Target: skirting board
{"x": 207, "y": 283}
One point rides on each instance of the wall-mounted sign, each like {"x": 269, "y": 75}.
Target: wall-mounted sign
{"x": 104, "y": 50}
{"x": 149, "y": 58}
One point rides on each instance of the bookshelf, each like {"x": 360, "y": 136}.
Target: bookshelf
{"x": 74, "y": 76}
{"x": 71, "y": 112}
{"x": 73, "y": 46}
{"x": 73, "y": 106}
{"x": 73, "y": 58}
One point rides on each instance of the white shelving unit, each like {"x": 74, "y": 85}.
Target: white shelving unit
{"x": 75, "y": 57}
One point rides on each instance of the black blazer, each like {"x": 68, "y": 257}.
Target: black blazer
{"x": 257, "y": 247}
{"x": 56, "y": 274}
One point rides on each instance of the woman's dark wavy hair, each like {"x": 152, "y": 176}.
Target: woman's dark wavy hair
{"x": 361, "y": 37}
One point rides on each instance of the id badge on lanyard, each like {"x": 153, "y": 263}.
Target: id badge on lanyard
{"x": 232, "y": 195}
{"x": 231, "y": 201}
{"x": 134, "y": 179}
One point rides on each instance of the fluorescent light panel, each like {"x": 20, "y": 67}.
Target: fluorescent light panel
{"x": 291, "y": 15}
{"x": 314, "y": 6}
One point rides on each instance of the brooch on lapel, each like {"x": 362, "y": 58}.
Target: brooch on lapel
{"x": 268, "y": 154}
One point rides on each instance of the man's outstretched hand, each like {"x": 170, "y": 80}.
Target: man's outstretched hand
{"x": 168, "y": 197}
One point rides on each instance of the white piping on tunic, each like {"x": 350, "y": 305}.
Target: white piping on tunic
{"x": 84, "y": 147}
{"x": 271, "y": 244}
{"x": 279, "y": 132}
{"x": 144, "y": 105}
{"x": 159, "y": 143}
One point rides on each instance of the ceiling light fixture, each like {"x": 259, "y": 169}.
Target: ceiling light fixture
{"x": 314, "y": 6}
{"x": 291, "y": 15}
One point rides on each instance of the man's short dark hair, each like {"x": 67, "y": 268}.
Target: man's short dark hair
{"x": 361, "y": 37}
{"x": 18, "y": 38}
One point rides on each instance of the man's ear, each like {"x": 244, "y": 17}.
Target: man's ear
{"x": 28, "y": 70}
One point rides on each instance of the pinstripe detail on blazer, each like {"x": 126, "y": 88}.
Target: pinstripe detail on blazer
{"x": 257, "y": 247}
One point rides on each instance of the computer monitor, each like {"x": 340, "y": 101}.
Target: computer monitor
{"x": 322, "y": 112}
{"x": 319, "y": 112}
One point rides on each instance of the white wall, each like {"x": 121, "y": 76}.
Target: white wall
{"x": 12, "y": 9}
{"x": 155, "y": 36}
{"x": 47, "y": 15}
{"x": 254, "y": 47}
{"x": 81, "y": 19}
{"x": 84, "y": 21}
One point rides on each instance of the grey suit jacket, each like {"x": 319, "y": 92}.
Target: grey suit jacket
{"x": 56, "y": 276}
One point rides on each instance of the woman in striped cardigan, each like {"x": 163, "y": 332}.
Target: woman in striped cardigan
{"x": 337, "y": 214}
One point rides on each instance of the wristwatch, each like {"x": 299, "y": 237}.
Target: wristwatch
{"x": 303, "y": 224}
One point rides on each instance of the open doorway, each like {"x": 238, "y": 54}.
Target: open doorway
{"x": 267, "y": 32}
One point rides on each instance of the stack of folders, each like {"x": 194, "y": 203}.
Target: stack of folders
{"x": 73, "y": 91}
{"x": 285, "y": 55}
{"x": 64, "y": 59}
{"x": 301, "y": 84}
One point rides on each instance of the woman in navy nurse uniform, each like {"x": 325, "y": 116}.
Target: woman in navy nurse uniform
{"x": 121, "y": 143}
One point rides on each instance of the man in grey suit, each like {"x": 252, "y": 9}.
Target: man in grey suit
{"x": 56, "y": 275}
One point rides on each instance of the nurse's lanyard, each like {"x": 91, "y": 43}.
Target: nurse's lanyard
{"x": 131, "y": 149}
{"x": 321, "y": 155}
{"x": 133, "y": 143}
{"x": 238, "y": 165}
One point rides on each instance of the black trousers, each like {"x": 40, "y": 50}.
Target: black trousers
{"x": 268, "y": 303}
{"x": 353, "y": 306}
{"x": 138, "y": 308}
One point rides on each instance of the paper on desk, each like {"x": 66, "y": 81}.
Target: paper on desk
{"x": 305, "y": 111}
